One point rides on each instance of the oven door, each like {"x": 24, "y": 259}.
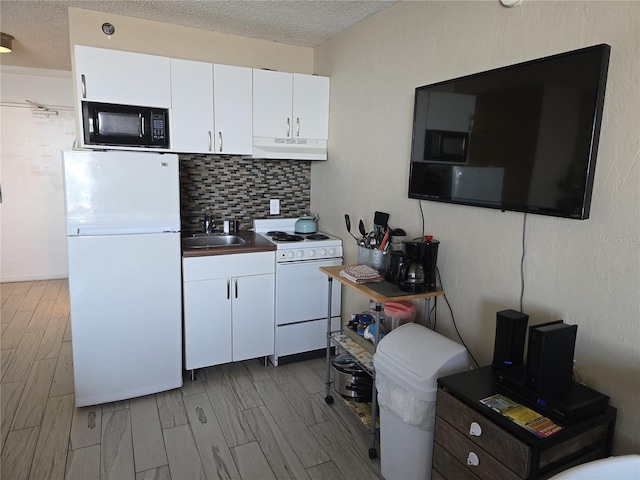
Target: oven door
{"x": 302, "y": 291}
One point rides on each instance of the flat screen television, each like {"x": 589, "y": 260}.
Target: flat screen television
{"x": 520, "y": 138}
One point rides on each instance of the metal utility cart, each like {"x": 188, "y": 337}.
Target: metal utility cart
{"x": 378, "y": 293}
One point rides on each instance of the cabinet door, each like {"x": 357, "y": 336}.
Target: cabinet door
{"x": 207, "y": 323}
{"x": 232, "y": 105}
{"x": 113, "y": 76}
{"x": 253, "y": 317}
{"x": 191, "y": 128}
{"x": 272, "y": 104}
{"x": 310, "y": 106}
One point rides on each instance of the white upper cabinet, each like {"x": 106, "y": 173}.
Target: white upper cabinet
{"x": 310, "y": 106}
{"x": 214, "y": 108}
{"x": 232, "y": 105}
{"x": 191, "y": 128}
{"x": 272, "y": 103}
{"x": 127, "y": 78}
{"x": 211, "y": 108}
{"x": 287, "y": 105}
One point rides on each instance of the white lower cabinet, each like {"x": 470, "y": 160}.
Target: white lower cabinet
{"x": 228, "y": 308}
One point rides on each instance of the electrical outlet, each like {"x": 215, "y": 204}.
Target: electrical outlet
{"x": 274, "y": 206}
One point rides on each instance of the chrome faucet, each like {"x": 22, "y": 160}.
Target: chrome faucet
{"x": 208, "y": 224}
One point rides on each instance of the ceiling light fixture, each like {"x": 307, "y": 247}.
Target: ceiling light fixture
{"x": 6, "y": 43}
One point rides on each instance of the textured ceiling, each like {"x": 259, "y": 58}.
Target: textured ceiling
{"x": 38, "y": 25}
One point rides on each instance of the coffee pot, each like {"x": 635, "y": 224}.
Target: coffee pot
{"x": 411, "y": 277}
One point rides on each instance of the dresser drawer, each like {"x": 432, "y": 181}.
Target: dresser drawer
{"x": 500, "y": 444}
{"x": 446, "y": 467}
{"x": 472, "y": 457}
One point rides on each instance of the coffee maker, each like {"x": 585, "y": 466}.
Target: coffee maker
{"x": 417, "y": 273}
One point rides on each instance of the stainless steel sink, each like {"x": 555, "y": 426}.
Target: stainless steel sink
{"x": 206, "y": 241}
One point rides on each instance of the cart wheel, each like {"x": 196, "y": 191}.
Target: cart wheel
{"x": 373, "y": 453}
{"x": 328, "y": 399}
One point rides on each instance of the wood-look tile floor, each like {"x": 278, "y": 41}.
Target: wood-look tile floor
{"x": 235, "y": 421}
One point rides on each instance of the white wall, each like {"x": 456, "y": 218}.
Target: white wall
{"x": 585, "y": 272}
{"x": 32, "y": 237}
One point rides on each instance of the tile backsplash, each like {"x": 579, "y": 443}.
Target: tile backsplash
{"x": 239, "y": 188}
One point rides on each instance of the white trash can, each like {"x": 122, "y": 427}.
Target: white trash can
{"x": 408, "y": 362}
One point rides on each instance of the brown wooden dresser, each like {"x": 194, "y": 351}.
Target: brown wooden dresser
{"x": 473, "y": 441}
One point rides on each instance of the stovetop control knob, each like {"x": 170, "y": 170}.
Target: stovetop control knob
{"x": 323, "y": 252}
{"x": 299, "y": 253}
{"x": 312, "y": 253}
{"x": 290, "y": 254}
{"x": 332, "y": 251}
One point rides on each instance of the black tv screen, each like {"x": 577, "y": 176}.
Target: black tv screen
{"x": 519, "y": 138}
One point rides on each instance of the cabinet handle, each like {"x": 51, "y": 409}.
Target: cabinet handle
{"x": 210, "y": 140}
{"x": 288, "y": 127}
{"x": 83, "y": 81}
{"x": 297, "y": 126}
{"x": 236, "y": 285}
{"x": 473, "y": 460}
{"x": 220, "y": 137}
{"x": 475, "y": 430}
{"x": 228, "y": 289}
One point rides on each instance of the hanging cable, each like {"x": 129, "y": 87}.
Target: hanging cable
{"x": 524, "y": 230}
{"x": 454, "y": 319}
{"x": 421, "y": 216}
{"x": 434, "y": 311}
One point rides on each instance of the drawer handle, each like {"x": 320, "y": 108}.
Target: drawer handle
{"x": 475, "y": 430}
{"x": 473, "y": 460}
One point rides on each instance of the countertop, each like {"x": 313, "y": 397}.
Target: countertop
{"x": 255, "y": 243}
{"x": 378, "y": 292}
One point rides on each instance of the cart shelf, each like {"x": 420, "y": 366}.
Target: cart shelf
{"x": 378, "y": 293}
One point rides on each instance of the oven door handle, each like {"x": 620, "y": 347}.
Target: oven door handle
{"x": 228, "y": 289}
{"x": 235, "y": 281}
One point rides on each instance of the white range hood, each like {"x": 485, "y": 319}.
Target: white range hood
{"x": 289, "y": 148}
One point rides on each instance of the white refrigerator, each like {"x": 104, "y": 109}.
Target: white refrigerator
{"x": 123, "y": 241}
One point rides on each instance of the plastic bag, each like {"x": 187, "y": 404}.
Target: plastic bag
{"x": 409, "y": 408}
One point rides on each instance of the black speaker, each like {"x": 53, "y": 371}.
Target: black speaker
{"x": 550, "y": 356}
{"x": 511, "y": 330}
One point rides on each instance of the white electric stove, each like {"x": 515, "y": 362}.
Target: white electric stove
{"x": 301, "y": 289}
{"x": 292, "y": 246}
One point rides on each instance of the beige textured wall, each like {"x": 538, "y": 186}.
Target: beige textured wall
{"x": 585, "y": 272}
{"x": 145, "y": 36}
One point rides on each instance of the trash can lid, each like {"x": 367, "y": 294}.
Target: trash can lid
{"x": 415, "y": 356}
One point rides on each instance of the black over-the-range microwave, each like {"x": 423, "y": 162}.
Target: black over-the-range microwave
{"x": 125, "y": 125}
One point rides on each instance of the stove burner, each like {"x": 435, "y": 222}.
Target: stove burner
{"x": 285, "y": 237}
{"x": 275, "y": 232}
{"x": 317, "y": 236}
